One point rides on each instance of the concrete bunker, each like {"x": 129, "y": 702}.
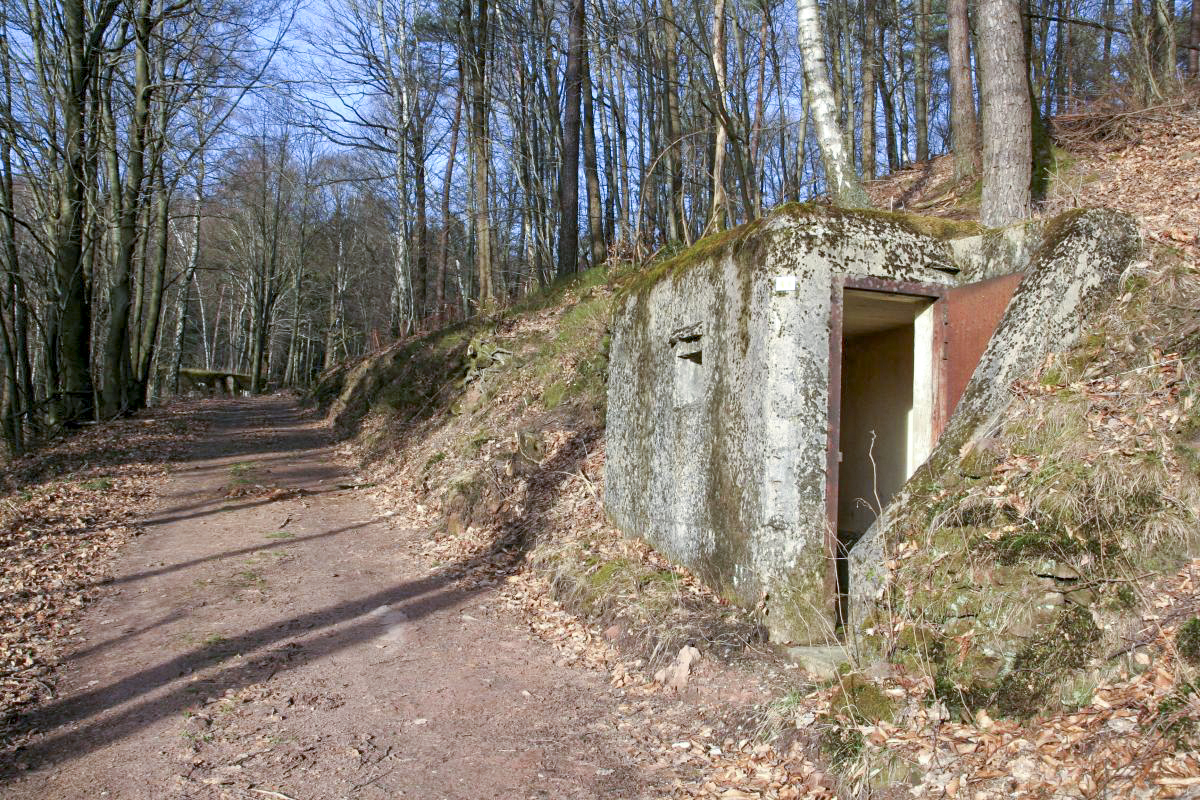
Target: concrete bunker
{"x": 772, "y": 389}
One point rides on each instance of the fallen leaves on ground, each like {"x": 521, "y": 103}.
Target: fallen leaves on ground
{"x": 1148, "y": 167}
{"x": 1131, "y": 740}
{"x": 64, "y": 513}
{"x": 268, "y": 494}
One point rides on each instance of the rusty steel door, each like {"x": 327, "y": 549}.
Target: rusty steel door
{"x": 971, "y": 314}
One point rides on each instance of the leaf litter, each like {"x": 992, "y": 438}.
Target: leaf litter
{"x": 65, "y": 512}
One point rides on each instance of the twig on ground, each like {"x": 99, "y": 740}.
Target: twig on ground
{"x": 269, "y": 793}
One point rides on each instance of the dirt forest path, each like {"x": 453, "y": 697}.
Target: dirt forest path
{"x": 283, "y": 644}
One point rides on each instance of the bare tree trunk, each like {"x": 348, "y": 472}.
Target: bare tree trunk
{"x": 786, "y": 190}
{"x": 11, "y": 405}
{"x": 189, "y": 277}
{"x": 141, "y": 263}
{"x": 127, "y": 202}
{"x": 890, "y": 128}
{"x": 1061, "y": 30}
{"x": 154, "y": 294}
{"x": 1143, "y": 56}
{"x": 402, "y": 287}
{"x": 13, "y": 422}
{"x": 1007, "y": 140}
{"x": 1166, "y": 47}
{"x": 72, "y": 323}
{"x": 899, "y": 77}
{"x": 292, "y": 371}
{"x": 832, "y": 32}
{"x": 18, "y": 376}
{"x": 606, "y": 122}
{"x": 263, "y": 292}
{"x": 439, "y": 290}
{"x": 147, "y": 343}
{"x": 591, "y": 170}
{"x": 738, "y": 118}
{"x": 843, "y": 183}
{"x": 648, "y": 98}
{"x": 756, "y": 128}
{"x": 335, "y": 299}
{"x": 1042, "y": 155}
{"x": 1036, "y": 62}
{"x": 1070, "y": 38}
{"x": 921, "y": 88}
{"x": 964, "y": 124}
{"x": 677, "y": 228}
{"x": 1107, "y": 15}
{"x": 395, "y": 40}
{"x": 844, "y": 63}
{"x": 869, "y": 89}
{"x": 421, "y": 294}
{"x": 475, "y": 28}
{"x": 568, "y": 177}
{"x": 528, "y": 169}
{"x": 210, "y": 346}
{"x": 621, "y": 168}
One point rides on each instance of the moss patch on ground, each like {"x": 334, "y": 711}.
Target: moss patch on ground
{"x": 1187, "y": 641}
{"x": 856, "y": 702}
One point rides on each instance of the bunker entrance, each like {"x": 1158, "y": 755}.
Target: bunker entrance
{"x": 887, "y": 407}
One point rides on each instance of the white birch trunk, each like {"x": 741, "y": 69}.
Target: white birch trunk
{"x": 193, "y": 264}
{"x": 718, "y": 217}
{"x": 840, "y": 174}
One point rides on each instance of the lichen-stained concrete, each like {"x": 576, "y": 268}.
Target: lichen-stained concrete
{"x": 719, "y": 460}
{"x": 718, "y": 406}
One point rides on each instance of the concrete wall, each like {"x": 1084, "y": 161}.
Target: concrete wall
{"x": 721, "y": 464}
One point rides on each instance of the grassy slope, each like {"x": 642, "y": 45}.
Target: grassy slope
{"x": 1043, "y": 577}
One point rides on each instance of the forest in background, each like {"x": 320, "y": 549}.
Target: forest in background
{"x": 266, "y": 188}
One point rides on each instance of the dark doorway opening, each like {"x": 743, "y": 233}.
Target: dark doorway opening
{"x": 887, "y": 383}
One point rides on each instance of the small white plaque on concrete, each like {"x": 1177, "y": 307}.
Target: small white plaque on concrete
{"x": 785, "y": 283}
